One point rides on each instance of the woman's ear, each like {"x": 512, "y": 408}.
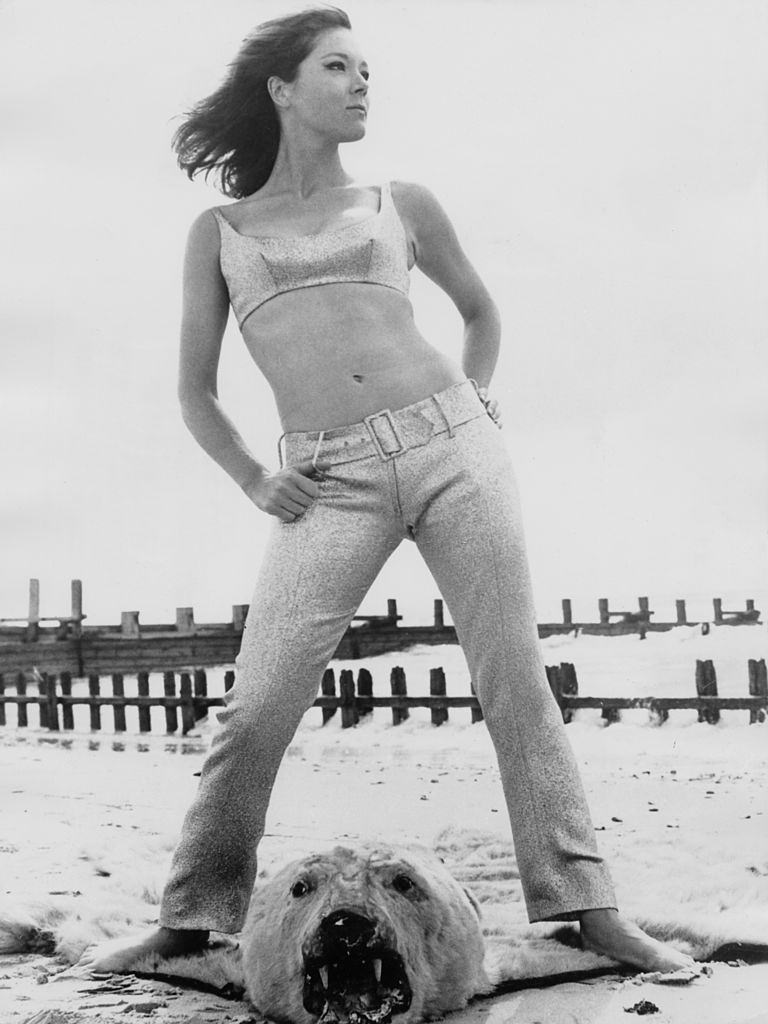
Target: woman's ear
{"x": 279, "y": 91}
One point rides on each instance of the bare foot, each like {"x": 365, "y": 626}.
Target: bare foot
{"x": 118, "y": 956}
{"x": 605, "y": 932}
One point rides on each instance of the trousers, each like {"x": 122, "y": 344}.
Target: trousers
{"x": 438, "y": 473}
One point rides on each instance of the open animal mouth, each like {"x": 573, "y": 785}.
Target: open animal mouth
{"x": 351, "y": 976}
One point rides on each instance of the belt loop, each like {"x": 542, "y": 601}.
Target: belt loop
{"x": 444, "y": 414}
{"x": 317, "y": 448}
{"x": 280, "y": 450}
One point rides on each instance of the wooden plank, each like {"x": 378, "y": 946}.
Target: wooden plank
{"x": 758, "y": 687}
{"x": 706, "y": 686}
{"x": 21, "y": 691}
{"x": 398, "y": 688}
{"x": 229, "y": 680}
{"x": 364, "y": 690}
{"x": 52, "y": 707}
{"x": 94, "y": 689}
{"x": 347, "y": 703}
{"x": 439, "y": 715}
{"x": 2, "y": 703}
{"x": 439, "y": 614}
{"x": 187, "y": 707}
{"x": 200, "y": 686}
{"x": 239, "y": 615}
{"x": 328, "y": 689}
{"x": 129, "y": 624}
{"x": 145, "y": 713}
{"x": 477, "y": 711}
{"x": 169, "y": 689}
{"x": 118, "y": 709}
{"x": 185, "y": 620}
{"x": 67, "y": 714}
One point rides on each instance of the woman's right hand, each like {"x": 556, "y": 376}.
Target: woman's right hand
{"x": 288, "y": 493}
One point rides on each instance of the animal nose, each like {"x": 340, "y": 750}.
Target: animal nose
{"x": 344, "y": 931}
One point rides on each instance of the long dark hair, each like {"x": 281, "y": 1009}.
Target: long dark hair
{"x": 235, "y": 132}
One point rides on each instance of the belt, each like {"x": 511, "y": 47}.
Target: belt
{"x": 389, "y": 433}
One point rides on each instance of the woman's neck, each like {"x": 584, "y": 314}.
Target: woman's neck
{"x": 303, "y": 167}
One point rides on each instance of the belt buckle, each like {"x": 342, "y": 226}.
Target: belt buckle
{"x": 387, "y": 415}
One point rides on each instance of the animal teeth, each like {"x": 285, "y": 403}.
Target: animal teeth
{"x": 377, "y": 969}
{"x": 324, "y": 976}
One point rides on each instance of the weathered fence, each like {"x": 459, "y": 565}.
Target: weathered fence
{"x": 68, "y": 645}
{"x": 185, "y": 701}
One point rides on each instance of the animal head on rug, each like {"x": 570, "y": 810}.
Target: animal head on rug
{"x": 361, "y": 936}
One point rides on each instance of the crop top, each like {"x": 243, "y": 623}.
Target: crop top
{"x": 369, "y": 251}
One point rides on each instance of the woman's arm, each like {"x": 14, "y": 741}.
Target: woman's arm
{"x": 440, "y": 256}
{"x": 205, "y": 307}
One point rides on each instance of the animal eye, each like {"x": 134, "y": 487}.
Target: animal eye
{"x": 300, "y": 888}
{"x": 402, "y": 883}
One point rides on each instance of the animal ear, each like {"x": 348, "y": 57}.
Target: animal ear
{"x": 473, "y": 900}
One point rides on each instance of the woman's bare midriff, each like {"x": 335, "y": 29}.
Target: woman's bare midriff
{"x": 333, "y": 354}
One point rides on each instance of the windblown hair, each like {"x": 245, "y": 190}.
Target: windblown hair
{"x": 235, "y": 133}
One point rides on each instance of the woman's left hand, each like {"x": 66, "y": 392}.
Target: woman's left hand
{"x": 492, "y": 407}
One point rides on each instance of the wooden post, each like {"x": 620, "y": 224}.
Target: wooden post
{"x": 118, "y": 690}
{"x": 239, "y": 615}
{"x": 200, "y": 682}
{"x": 76, "y": 591}
{"x": 169, "y": 690}
{"x": 750, "y": 604}
{"x": 398, "y": 686}
{"x": 349, "y": 714}
{"x": 229, "y": 680}
{"x": 42, "y": 702}
{"x": 439, "y": 615}
{"x": 21, "y": 709}
{"x": 477, "y": 713}
{"x": 67, "y": 711}
{"x": 706, "y": 686}
{"x": 129, "y": 624}
{"x": 567, "y": 612}
{"x": 610, "y": 715}
{"x": 49, "y": 681}
{"x": 2, "y": 702}
{"x": 185, "y": 620}
{"x": 187, "y": 707}
{"x": 94, "y": 690}
{"x": 569, "y": 686}
{"x": 758, "y": 687}
{"x": 33, "y": 616}
{"x": 682, "y": 617}
{"x": 364, "y": 689}
{"x": 392, "y": 610}
{"x": 602, "y": 606}
{"x": 145, "y": 713}
{"x": 658, "y": 715}
{"x": 328, "y": 689}
{"x": 644, "y": 606}
{"x": 437, "y": 689}
{"x": 718, "y": 606}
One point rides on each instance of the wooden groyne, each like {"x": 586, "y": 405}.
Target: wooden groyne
{"x": 185, "y": 700}
{"x": 66, "y": 643}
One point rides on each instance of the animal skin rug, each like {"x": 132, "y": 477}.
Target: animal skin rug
{"x": 699, "y": 907}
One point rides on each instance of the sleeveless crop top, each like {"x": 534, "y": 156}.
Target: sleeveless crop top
{"x": 369, "y": 251}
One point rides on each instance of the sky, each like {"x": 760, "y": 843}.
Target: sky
{"x": 605, "y": 163}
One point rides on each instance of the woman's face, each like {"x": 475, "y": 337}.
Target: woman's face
{"x": 329, "y": 94}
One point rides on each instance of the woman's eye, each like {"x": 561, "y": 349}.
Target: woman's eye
{"x": 402, "y": 883}
{"x": 299, "y": 889}
{"x": 336, "y": 64}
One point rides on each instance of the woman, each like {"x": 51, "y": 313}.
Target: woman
{"x": 384, "y": 439}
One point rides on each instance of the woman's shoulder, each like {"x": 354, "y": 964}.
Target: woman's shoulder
{"x": 416, "y": 204}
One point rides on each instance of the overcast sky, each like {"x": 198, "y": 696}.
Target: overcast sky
{"x": 605, "y": 164}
